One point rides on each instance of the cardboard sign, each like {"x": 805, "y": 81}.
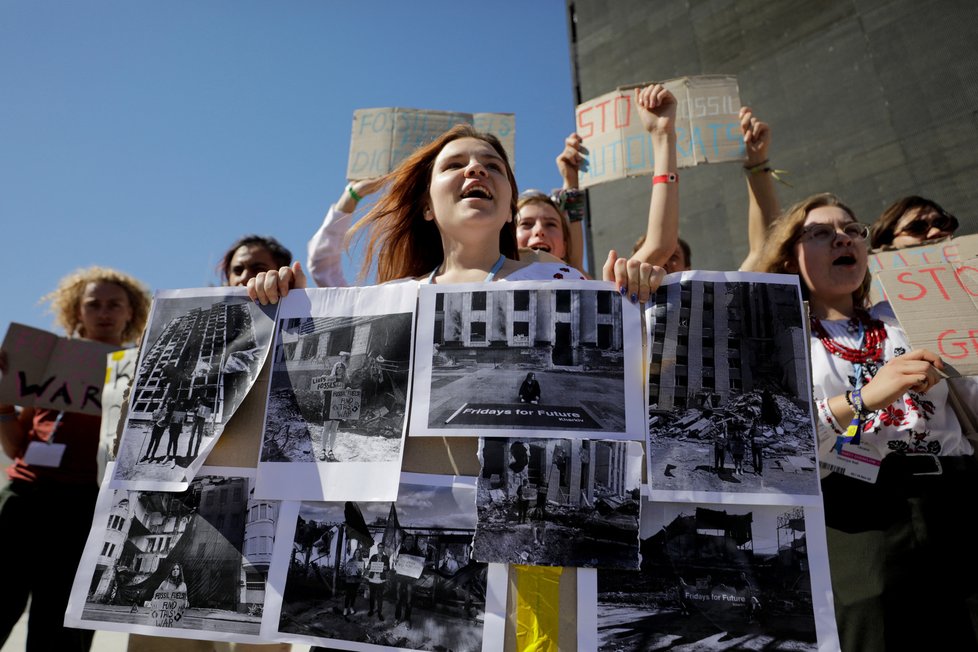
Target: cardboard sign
{"x": 937, "y": 306}
{"x": 382, "y": 138}
{"x": 325, "y": 382}
{"x": 48, "y": 371}
{"x": 168, "y": 607}
{"x": 707, "y": 128}
{"x": 409, "y": 565}
{"x": 955, "y": 250}
{"x": 345, "y": 405}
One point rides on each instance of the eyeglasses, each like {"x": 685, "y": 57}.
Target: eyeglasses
{"x": 825, "y": 233}
{"x": 920, "y": 226}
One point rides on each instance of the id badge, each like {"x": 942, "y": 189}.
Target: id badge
{"x": 855, "y": 461}
{"x": 42, "y": 454}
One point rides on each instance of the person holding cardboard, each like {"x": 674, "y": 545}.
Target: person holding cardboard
{"x": 448, "y": 217}
{"x": 46, "y": 510}
{"x": 763, "y": 205}
{"x": 899, "y": 479}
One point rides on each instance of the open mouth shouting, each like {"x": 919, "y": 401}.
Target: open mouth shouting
{"x": 476, "y": 191}
{"x": 845, "y": 259}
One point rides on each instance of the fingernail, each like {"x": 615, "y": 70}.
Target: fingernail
{"x": 622, "y": 291}
{"x": 634, "y": 298}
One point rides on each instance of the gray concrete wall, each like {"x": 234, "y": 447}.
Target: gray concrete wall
{"x": 869, "y": 99}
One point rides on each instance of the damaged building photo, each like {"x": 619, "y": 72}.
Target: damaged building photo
{"x": 559, "y": 502}
{"x": 221, "y": 541}
{"x": 528, "y": 359}
{"x": 729, "y": 388}
{"x": 338, "y": 389}
{"x": 713, "y": 577}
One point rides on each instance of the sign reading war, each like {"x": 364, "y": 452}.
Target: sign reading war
{"x": 382, "y": 138}
{"x": 707, "y": 128}
{"x": 47, "y": 371}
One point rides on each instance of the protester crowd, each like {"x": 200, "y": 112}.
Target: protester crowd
{"x": 902, "y": 576}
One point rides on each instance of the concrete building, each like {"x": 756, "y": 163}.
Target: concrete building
{"x": 194, "y": 356}
{"x": 259, "y": 535}
{"x": 568, "y": 328}
{"x": 726, "y": 339}
{"x": 569, "y": 469}
{"x": 871, "y": 100}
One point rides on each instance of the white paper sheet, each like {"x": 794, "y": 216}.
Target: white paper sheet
{"x": 729, "y": 378}
{"x": 337, "y": 400}
{"x": 544, "y": 359}
{"x": 203, "y": 343}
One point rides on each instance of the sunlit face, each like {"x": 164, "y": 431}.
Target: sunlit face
{"x": 104, "y": 311}
{"x": 538, "y": 226}
{"x": 832, "y": 268}
{"x": 247, "y": 262}
{"x": 919, "y": 225}
{"x": 470, "y": 193}
{"x": 677, "y": 261}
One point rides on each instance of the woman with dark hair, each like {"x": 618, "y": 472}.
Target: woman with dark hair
{"x": 170, "y": 599}
{"x": 249, "y": 255}
{"x": 899, "y": 479}
{"x": 530, "y": 389}
{"x": 911, "y": 221}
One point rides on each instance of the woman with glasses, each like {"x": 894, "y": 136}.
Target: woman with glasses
{"x": 899, "y": 479}
{"x": 912, "y": 221}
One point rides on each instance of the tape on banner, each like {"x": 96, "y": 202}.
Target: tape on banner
{"x": 537, "y": 608}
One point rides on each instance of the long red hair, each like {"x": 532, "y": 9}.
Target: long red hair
{"x": 405, "y": 244}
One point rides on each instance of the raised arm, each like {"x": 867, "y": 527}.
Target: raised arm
{"x": 764, "y": 206}
{"x": 569, "y": 164}
{"x": 325, "y": 248}
{"x": 657, "y": 109}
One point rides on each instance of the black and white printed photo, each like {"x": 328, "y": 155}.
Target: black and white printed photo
{"x": 388, "y": 574}
{"x": 338, "y": 389}
{"x": 729, "y": 389}
{"x": 559, "y": 502}
{"x": 175, "y": 563}
{"x": 202, "y": 353}
{"x": 337, "y": 400}
{"x": 717, "y": 577}
{"x": 531, "y": 358}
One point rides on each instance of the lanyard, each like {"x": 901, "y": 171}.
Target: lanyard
{"x": 492, "y": 272}
{"x": 855, "y": 426}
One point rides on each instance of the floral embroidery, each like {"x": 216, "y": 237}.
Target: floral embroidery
{"x": 893, "y": 416}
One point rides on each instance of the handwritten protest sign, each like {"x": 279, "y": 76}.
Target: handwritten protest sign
{"x": 345, "y": 405}
{"x": 48, "y": 371}
{"x": 946, "y": 251}
{"x": 324, "y": 382}
{"x": 382, "y": 138}
{"x": 409, "y": 565}
{"x": 937, "y": 305}
{"x": 707, "y": 128}
{"x": 168, "y": 607}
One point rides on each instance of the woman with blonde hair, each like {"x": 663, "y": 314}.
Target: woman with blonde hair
{"x": 899, "y": 479}
{"x": 46, "y": 510}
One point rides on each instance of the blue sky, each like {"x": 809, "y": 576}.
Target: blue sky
{"x": 147, "y": 136}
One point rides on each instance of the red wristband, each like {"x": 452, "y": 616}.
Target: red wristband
{"x": 672, "y": 177}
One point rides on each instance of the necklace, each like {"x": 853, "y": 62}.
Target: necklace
{"x": 872, "y": 342}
